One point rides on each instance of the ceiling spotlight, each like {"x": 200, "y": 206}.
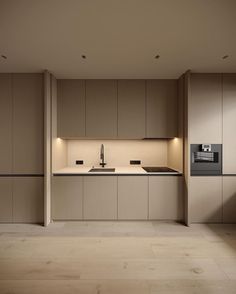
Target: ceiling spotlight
{"x": 225, "y": 56}
{"x": 83, "y": 56}
{"x": 157, "y": 56}
{"x": 4, "y": 56}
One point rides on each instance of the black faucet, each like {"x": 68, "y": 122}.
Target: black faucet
{"x": 102, "y": 156}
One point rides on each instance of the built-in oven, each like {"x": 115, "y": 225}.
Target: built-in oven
{"x": 206, "y": 159}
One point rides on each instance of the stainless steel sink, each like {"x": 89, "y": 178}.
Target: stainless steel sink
{"x": 101, "y": 170}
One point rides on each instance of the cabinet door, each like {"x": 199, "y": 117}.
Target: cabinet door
{"x": 205, "y": 199}
{"x": 132, "y": 197}
{"x": 100, "y": 197}
{"x": 67, "y": 198}
{"x": 229, "y": 123}
{"x": 162, "y": 109}
{"x": 131, "y": 109}
{"x": 5, "y": 199}
{"x": 101, "y": 108}
{"x": 28, "y": 123}
{"x": 229, "y": 199}
{"x": 205, "y": 109}
{"x": 166, "y": 198}
{"x": 28, "y": 199}
{"x": 71, "y": 108}
{"x": 5, "y": 124}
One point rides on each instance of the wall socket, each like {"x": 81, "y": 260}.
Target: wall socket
{"x": 135, "y": 162}
{"x": 79, "y": 162}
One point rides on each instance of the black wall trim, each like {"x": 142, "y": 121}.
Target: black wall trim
{"x": 21, "y": 175}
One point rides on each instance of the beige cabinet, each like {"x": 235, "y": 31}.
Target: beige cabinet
{"x": 205, "y": 199}
{"x": 166, "y": 197}
{"x": 205, "y": 109}
{"x": 70, "y": 108}
{"x": 101, "y": 108}
{"x": 100, "y": 197}
{"x": 28, "y": 199}
{"x": 132, "y": 197}
{"x": 5, "y": 124}
{"x": 67, "y": 198}
{"x": 229, "y": 199}
{"x": 162, "y": 109}
{"x": 229, "y": 123}
{"x": 5, "y": 199}
{"x": 131, "y": 109}
{"x": 27, "y": 123}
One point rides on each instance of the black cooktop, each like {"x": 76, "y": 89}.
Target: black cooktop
{"x": 158, "y": 169}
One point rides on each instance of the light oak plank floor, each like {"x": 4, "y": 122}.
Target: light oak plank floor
{"x": 117, "y": 258}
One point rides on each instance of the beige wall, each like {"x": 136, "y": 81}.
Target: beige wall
{"x": 175, "y": 154}
{"x": 118, "y": 152}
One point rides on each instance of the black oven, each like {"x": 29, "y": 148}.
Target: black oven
{"x": 206, "y": 159}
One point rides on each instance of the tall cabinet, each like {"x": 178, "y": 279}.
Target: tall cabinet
{"x": 205, "y": 127}
{"x": 21, "y": 148}
{"x": 229, "y": 148}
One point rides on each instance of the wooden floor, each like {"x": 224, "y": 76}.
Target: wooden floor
{"x": 118, "y": 257}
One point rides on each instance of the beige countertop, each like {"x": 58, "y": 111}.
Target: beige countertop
{"x": 119, "y": 170}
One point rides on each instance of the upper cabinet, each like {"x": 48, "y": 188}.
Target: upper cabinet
{"x": 124, "y": 109}
{"x": 71, "y": 108}
{"x": 131, "y": 109}
{"x": 205, "y": 109}
{"x": 101, "y": 108}
{"x": 5, "y": 124}
{"x": 229, "y": 123}
{"x": 28, "y": 123}
{"x": 162, "y": 109}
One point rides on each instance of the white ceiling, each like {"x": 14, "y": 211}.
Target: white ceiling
{"x": 119, "y": 37}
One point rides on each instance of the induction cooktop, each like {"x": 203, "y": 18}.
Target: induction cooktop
{"x": 158, "y": 169}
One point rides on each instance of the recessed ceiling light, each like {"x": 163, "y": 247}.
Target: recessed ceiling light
{"x": 83, "y": 56}
{"x": 157, "y": 56}
{"x": 4, "y": 56}
{"x": 225, "y": 56}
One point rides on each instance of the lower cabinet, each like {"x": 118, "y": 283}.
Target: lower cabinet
{"x": 100, "y": 197}
{"x": 5, "y": 199}
{"x": 109, "y": 197}
{"x": 28, "y": 199}
{"x": 165, "y": 198}
{"x": 132, "y": 197}
{"x": 205, "y": 199}
{"x": 21, "y": 199}
{"x": 229, "y": 199}
{"x": 67, "y": 198}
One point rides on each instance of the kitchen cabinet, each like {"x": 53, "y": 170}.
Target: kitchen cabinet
{"x": 131, "y": 109}
{"x": 28, "y": 139}
{"x": 5, "y": 199}
{"x": 5, "y": 124}
{"x": 205, "y": 109}
{"x": 100, "y": 197}
{"x": 28, "y": 199}
{"x": 71, "y": 108}
{"x": 229, "y": 123}
{"x": 229, "y": 199}
{"x": 162, "y": 109}
{"x": 205, "y": 199}
{"x": 67, "y": 198}
{"x": 166, "y": 197}
{"x": 101, "y": 108}
{"x": 132, "y": 197}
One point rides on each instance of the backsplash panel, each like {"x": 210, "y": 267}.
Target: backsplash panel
{"x": 118, "y": 152}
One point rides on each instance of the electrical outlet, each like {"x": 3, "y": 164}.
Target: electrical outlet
{"x": 135, "y": 162}
{"x": 79, "y": 162}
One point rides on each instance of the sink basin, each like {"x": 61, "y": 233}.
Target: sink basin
{"x": 101, "y": 170}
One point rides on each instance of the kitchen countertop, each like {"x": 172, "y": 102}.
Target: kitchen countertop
{"x": 120, "y": 170}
